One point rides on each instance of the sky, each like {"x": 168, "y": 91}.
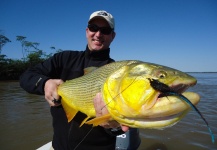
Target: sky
{"x": 180, "y": 34}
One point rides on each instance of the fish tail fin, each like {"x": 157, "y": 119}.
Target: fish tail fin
{"x": 99, "y": 120}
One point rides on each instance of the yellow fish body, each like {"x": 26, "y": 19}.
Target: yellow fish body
{"x": 128, "y": 95}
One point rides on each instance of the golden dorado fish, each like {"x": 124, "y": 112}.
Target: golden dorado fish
{"x": 128, "y": 94}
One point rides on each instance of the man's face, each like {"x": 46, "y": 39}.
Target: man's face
{"x": 97, "y": 40}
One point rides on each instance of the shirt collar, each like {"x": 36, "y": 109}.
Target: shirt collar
{"x": 97, "y": 55}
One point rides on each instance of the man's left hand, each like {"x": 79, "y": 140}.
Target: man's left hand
{"x": 100, "y": 108}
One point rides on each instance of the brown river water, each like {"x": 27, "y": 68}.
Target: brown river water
{"x": 26, "y": 122}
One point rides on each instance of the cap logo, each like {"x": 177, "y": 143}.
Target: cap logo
{"x": 105, "y": 15}
{"x": 102, "y": 13}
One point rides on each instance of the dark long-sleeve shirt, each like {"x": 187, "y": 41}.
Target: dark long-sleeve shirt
{"x": 69, "y": 65}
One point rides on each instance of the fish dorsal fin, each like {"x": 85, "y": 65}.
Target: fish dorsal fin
{"x": 89, "y": 69}
{"x": 99, "y": 120}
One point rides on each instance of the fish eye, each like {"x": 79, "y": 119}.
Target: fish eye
{"x": 162, "y": 74}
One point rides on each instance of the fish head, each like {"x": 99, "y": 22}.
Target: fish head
{"x": 132, "y": 100}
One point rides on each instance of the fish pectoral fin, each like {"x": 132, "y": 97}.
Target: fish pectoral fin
{"x": 99, "y": 120}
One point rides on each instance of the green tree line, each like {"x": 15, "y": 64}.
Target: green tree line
{"x": 11, "y": 69}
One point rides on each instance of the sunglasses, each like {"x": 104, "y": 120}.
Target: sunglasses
{"x": 103, "y": 30}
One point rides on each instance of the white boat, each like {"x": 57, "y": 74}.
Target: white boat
{"x": 47, "y": 146}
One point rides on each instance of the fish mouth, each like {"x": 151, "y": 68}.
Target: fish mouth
{"x": 159, "y": 122}
{"x": 177, "y": 107}
{"x": 166, "y": 112}
{"x": 168, "y": 109}
{"x": 179, "y": 88}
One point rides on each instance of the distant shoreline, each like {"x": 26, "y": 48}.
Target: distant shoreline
{"x": 200, "y": 72}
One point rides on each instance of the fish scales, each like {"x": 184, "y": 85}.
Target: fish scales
{"x": 80, "y": 92}
{"x": 128, "y": 95}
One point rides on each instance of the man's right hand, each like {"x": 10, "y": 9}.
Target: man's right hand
{"x": 50, "y": 90}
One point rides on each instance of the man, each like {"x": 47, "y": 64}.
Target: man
{"x": 44, "y": 79}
